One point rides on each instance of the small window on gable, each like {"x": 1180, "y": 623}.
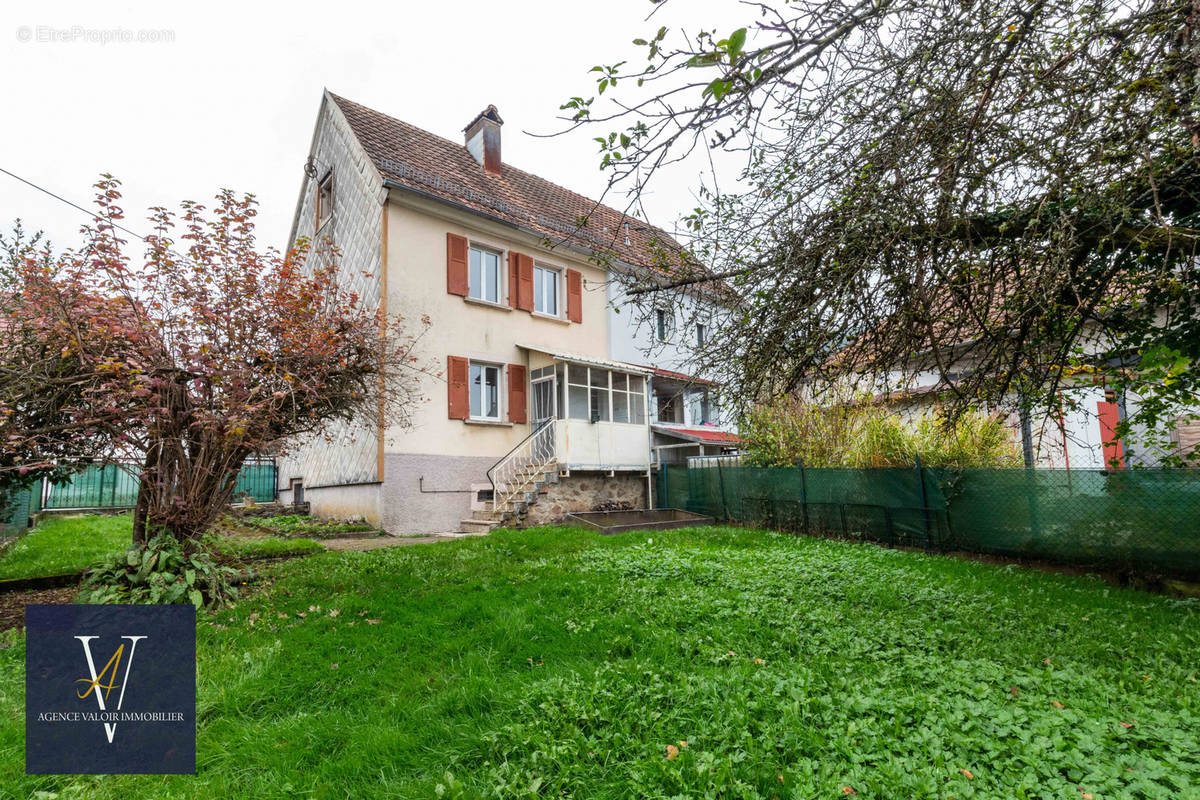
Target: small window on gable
{"x": 325, "y": 200}
{"x": 701, "y": 333}
{"x": 546, "y": 289}
{"x": 485, "y": 274}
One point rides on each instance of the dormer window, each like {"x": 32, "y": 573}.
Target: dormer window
{"x": 325, "y": 200}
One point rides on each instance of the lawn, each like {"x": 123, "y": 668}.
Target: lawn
{"x": 714, "y": 662}
{"x": 62, "y": 545}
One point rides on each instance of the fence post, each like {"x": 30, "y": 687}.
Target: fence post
{"x": 803, "y": 494}
{"x": 721, "y": 483}
{"x": 113, "y": 494}
{"x": 924, "y": 502}
{"x": 665, "y": 500}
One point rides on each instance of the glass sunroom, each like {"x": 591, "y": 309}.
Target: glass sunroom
{"x": 598, "y": 409}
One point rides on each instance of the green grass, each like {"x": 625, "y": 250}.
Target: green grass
{"x": 62, "y": 545}
{"x": 238, "y": 548}
{"x": 554, "y": 662}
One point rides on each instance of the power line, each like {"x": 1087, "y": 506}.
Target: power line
{"x": 62, "y": 199}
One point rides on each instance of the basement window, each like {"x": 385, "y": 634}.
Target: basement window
{"x": 325, "y": 200}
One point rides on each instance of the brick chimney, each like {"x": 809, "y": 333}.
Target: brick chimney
{"x": 483, "y": 139}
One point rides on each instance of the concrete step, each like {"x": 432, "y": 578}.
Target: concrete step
{"x": 477, "y": 526}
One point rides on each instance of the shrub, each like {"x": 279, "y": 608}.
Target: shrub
{"x": 160, "y": 572}
{"x": 862, "y": 435}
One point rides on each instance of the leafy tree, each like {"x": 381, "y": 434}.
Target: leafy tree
{"x": 1008, "y": 186}
{"x": 189, "y": 362}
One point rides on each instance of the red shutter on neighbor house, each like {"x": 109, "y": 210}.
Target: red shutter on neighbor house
{"x": 574, "y": 295}
{"x": 517, "y": 394}
{"x": 1114, "y": 451}
{"x": 512, "y": 279}
{"x": 457, "y": 281}
{"x": 459, "y": 402}
{"x": 524, "y": 282}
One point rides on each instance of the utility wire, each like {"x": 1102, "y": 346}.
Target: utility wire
{"x": 62, "y": 199}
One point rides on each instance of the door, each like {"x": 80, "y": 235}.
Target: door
{"x": 543, "y": 401}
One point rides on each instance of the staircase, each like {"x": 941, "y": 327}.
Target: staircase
{"x": 518, "y": 479}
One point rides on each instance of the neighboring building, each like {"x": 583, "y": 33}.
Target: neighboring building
{"x": 1078, "y": 434}
{"x": 540, "y": 389}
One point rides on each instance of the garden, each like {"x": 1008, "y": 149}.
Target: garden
{"x": 706, "y": 662}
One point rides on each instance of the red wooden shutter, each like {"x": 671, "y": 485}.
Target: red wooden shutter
{"x": 524, "y": 282}
{"x": 1114, "y": 451}
{"x": 457, "y": 281}
{"x": 457, "y": 377}
{"x": 517, "y": 394}
{"x": 574, "y": 295}
{"x": 513, "y": 292}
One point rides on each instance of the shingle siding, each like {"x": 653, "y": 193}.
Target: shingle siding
{"x": 349, "y": 456}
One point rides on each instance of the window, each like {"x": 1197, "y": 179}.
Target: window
{"x": 545, "y": 290}
{"x": 699, "y": 410}
{"x": 598, "y": 410}
{"x": 628, "y": 399}
{"x": 485, "y": 274}
{"x": 485, "y": 391}
{"x": 577, "y": 392}
{"x": 662, "y": 324}
{"x": 600, "y": 395}
{"x": 668, "y": 408}
{"x": 701, "y": 332}
{"x": 325, "y": 199}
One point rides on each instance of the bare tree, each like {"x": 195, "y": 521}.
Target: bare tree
{"x": 1008, "y": 184}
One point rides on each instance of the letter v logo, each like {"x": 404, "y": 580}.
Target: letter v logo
{"x": 94, "y": 684}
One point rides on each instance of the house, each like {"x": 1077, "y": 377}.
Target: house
{"x": 545, "y": 406}
{"x": 1080, "y": 433}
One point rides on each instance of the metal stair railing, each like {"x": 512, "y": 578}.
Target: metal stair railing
{"x": 513, "y": 474}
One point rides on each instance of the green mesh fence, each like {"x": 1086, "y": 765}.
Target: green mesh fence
{"x": 116, "y": 486}
{"x": 1141, "y": 520}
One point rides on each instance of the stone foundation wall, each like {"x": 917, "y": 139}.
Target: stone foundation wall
{"x": 583, "y": 491}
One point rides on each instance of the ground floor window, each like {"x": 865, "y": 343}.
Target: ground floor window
{"x": 485, "y": 391}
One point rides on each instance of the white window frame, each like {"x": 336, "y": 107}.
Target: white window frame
{"x": 484, "y": 366}
{"x": 701, "y": 334}
{"x": 501, "y": 273}
{"x": 558, "y": 294}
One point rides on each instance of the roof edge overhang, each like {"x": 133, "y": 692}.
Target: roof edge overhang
{"x": 590, "y": 361}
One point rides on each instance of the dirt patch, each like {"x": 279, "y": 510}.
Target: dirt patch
{"x": 12, "y": 604}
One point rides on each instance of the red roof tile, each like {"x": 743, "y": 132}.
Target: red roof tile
{"x": 703, "y": 434}
{"x": 440, "y": 168}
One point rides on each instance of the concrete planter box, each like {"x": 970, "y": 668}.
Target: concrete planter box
{"x": 609, "y": 522}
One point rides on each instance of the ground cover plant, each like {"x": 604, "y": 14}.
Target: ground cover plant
{"x": 315, "y": 527}
{"x": 716, "y": 662}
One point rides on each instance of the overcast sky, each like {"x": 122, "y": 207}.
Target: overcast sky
{"x": 184, "y": 99}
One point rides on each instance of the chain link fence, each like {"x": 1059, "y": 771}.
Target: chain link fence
{"x": 1134, "y": 520}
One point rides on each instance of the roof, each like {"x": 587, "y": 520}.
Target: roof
{"x": 591, "y": 361}
{"x": 679, "y": 376}
{"x": 703, "y": 435}
{"x": 423, "y": 162}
